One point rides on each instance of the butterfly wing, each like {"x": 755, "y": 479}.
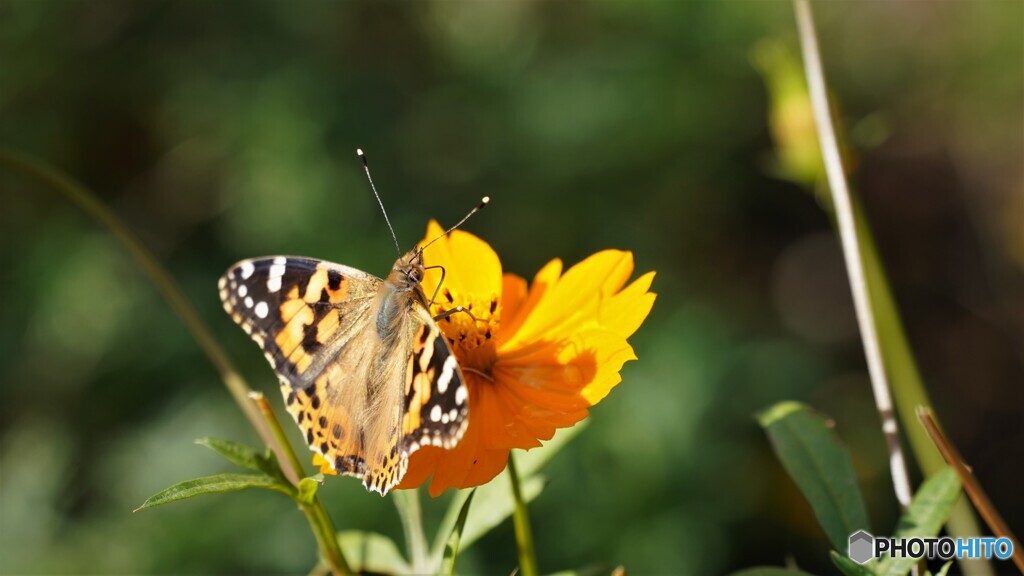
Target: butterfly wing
{"x": 436, "y": 409}
{"x": 309, "y": 316}
{"x": 366, "y": 392}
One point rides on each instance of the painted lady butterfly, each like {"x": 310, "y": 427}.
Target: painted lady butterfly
{"x": 364, "y": 369}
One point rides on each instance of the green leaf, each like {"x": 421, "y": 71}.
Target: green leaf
{"x": 494, "y": 504}
{"x": 451, "y": 550}
{"x": 928, "y": 511}
{"x": 369, "y": 552}
{"x": 215, "y": 485}
{"x": 945, "y": 569}
{"x": 820, "y": 466}
{"x": 849, "y": 567}
{"x": 243, "y": 455}
{"x": 308, "y": 487}
{"x": 770, "y": 571}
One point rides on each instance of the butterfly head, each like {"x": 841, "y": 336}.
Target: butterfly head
{"x": 407, "y": 273}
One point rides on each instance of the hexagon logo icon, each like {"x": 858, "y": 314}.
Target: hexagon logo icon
{"x": 861, "y": 547}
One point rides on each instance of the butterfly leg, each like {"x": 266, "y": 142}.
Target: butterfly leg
{"x": 438, "y": 288}
{"x": 456, "y": 310}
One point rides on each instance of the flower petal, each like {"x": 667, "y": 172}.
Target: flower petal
{"x": 623, "y": 313}
{"x": 513, "y": 294}
{"x": 574, "y": 299}
{"x": 471, "y": 265}
{"x": 545, "y": 279}
{"x": 470, "y": 463}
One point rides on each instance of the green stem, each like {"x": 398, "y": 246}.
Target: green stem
{"x": 263, "y": 421}
{"x": 91, "y": 205}
{"x": 908, "y": 387}
{"x": 408, "y": 504}
{"x": 521, "y": 519}
{"x": 326, "y": 536}
{"x": 887, "y": 335}
{"x": 274, "y": 425}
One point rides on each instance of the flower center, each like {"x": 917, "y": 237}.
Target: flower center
{"x": 471, "y": 335}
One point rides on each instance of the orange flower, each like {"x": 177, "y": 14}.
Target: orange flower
{"x": 534, "y": 359}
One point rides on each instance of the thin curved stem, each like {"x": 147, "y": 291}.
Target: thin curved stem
{"x": 851, "y": 248}
{"x": 259, "y": 414}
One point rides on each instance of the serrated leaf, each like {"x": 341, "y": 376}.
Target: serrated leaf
{"x": 307, "y": 488}
{"x": 928, "y": 511}
{"x": 848, "y": 567}
{"x": 770, "y": 571}
{"x": 821, "y": 467}
{"x": 215, "y": 485}
{"x": 243, "y": 455}
{"x": 451, "y": 549}
{"x": 369, "y": 552}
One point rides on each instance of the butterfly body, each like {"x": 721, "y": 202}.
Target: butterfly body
{"x": 364, "y": 369}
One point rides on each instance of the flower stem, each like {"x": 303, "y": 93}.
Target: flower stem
{"x": 408, "y": 504}
{"x": 274, "y": 425}
{"x": 521, "y": 519}
{"x": 259, "y": 414}
{"x": 326, "y": 536}
{"x": 847, "y": 226}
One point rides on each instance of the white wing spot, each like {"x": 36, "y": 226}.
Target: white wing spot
{"x": 246, "y": 269}
{"x": 446, "y": 374}
{"x": 435, "y": 413}
{"x": 242, "y": 290}
{"x": 274, "y": 282}
{"x": 275, "y": 273}
{"x": 453, "y": 414}
{"x": 444, "y": 418}
{"x": 262, "y": 310}
{"x": 248, "y": 301}
{"x": 460, "y": 395}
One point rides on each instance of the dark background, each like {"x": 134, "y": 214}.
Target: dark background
{"x": 223, "y": 130}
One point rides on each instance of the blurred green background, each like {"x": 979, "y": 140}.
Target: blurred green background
{"x": 224, "y": 130}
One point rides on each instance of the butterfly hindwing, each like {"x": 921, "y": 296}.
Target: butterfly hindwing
{"x": 436, "y": 399}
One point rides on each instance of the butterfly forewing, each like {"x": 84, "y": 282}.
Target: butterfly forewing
{"x": 364, "y": 399}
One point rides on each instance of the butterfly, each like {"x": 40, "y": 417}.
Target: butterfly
{"x": 364, "y": 370}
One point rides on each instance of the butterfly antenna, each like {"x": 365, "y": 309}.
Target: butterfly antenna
{"x": 366, "y": 168}
{"x": 483, "y": 202}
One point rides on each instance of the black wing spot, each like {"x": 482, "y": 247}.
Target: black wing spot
{"x": 333, "y": 279}
{"x": 310, "y": 344}
{"x": 323, "y": 421}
